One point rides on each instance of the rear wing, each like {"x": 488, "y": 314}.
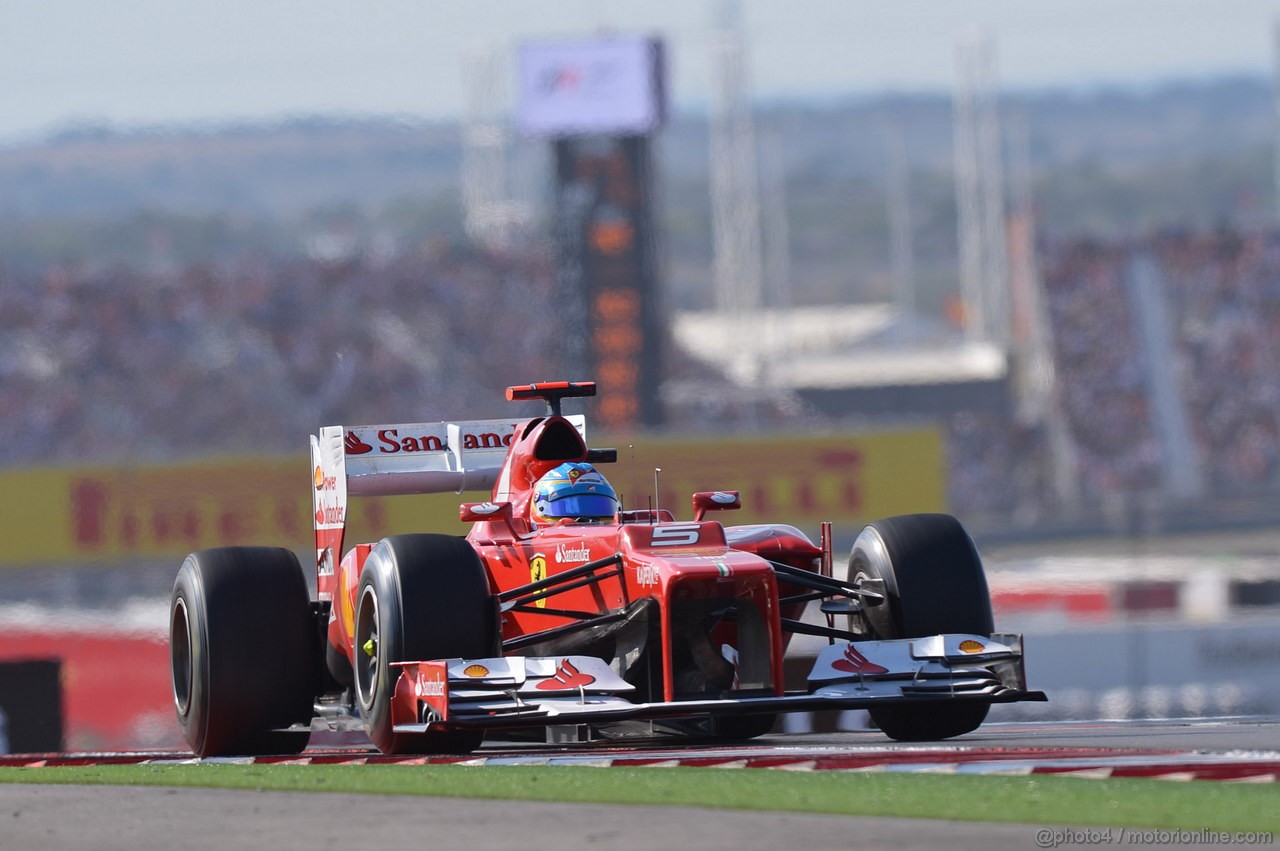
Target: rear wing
{"x": 414, "y": 458}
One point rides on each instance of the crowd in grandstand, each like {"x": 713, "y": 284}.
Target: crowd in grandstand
{"x": 1223, "y": 296}
{"x": 105, "y": 365}
{"x": 998, "y": 467}
{"x": 1100, "y": 368}
{"x": 253, "y": 356}
{"x": 1226, "y": 292}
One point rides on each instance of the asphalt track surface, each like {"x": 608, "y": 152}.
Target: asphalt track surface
{"x": 133, "y": 818}
{"x": 1201, "y": 734}
{"x": 130, "y": 819}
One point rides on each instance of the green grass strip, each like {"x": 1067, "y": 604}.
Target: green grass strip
{"x": 1042, "y": 799}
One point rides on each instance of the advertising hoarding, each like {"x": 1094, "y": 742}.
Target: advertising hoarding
{"x": 600, "y": 86}
{"x": 106, "y": 515}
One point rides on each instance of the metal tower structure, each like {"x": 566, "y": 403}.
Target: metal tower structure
{"x": 735, "y": 190}
{"x": 1275, "y": 94}
{"x": 980, "y": 193}
{"x": 777, "y": 225}
{"x": 1038, "y": 400}
{"x": 776, "y": 294}
{"x": 1031, "y": 337}
{"x": 968, "y": 200}
{"x": 901, "y": 243}
{"x": 489, "y": 214}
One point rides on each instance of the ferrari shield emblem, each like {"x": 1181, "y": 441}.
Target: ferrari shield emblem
{"x": 537, "y": 573}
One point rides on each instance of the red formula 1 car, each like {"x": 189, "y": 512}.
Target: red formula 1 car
{"x": 630, "y": 623}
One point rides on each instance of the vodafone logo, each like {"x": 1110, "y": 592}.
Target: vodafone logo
{"x": 354, "y": 445}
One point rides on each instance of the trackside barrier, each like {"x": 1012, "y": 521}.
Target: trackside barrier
{"x": 116, "y": 691}
{"x": 127, "y": 514}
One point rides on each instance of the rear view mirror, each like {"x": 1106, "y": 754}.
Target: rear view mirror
{"x": 476, "y": 512}
{"x": 705, "y": 501}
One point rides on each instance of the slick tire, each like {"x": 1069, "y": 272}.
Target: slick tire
{"x": 934, "y": 583}
{"x": 242, "y": 651}
{"x": 420, "y": 597}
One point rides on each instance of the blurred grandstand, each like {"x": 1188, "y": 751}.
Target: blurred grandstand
{"x": 1083, "y": 385}
{"x": 121, "y": 365}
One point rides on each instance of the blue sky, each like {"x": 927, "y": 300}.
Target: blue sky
{"x": 162, "y": 62}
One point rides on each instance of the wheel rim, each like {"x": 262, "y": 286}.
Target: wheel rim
{"x": 180, "y": 656}
{"x": 368, "y": 649}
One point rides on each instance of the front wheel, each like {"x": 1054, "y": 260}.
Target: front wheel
{"x": 420, "y": 597}
{"x": 934, "y": 583}
{"x": 242, "y": 651}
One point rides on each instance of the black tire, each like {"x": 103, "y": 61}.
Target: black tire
{"x": 934, "y": 584}
{"x": 242, "y": 651}
{"x": 420, "y": 597}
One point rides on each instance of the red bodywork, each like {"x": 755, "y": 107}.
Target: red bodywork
{"x": 674, "y": 563}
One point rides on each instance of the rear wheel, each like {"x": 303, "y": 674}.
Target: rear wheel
{"x": 242, "y": 651}
{"x": 934, "y": 583}
{"x": 420, "y": 597}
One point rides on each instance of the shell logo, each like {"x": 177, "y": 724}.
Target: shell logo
{"x": 318, "y": 477}
{"x": 971, "y": 646}
{"x": 475, "y": 671}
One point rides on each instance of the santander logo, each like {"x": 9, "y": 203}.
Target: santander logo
{"x": 567, "y": 676}
{"x": 566, "y": 553}
{"x": 354, "y": 445}
{"x": 855, "y": 663}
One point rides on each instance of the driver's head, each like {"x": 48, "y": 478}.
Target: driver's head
{"x": 574, "y": 490}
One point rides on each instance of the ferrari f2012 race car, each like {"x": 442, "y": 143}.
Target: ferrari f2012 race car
{"x": 565, "y": 611}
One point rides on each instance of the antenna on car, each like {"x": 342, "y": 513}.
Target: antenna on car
{"x": 657, "y": 496}
{"x": 631, "y": 451}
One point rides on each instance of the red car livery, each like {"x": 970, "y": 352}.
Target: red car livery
{"x": 639, "y": 624}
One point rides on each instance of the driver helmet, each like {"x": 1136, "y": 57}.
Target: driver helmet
{"x": 573, "y": 490}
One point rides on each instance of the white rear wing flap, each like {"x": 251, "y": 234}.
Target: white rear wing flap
{"x": 416, "y": 458}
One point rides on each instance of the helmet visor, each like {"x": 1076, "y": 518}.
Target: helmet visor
{"x": 582, "y": 505}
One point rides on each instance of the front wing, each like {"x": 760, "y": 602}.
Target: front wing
{"x": 523, "y": 691}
